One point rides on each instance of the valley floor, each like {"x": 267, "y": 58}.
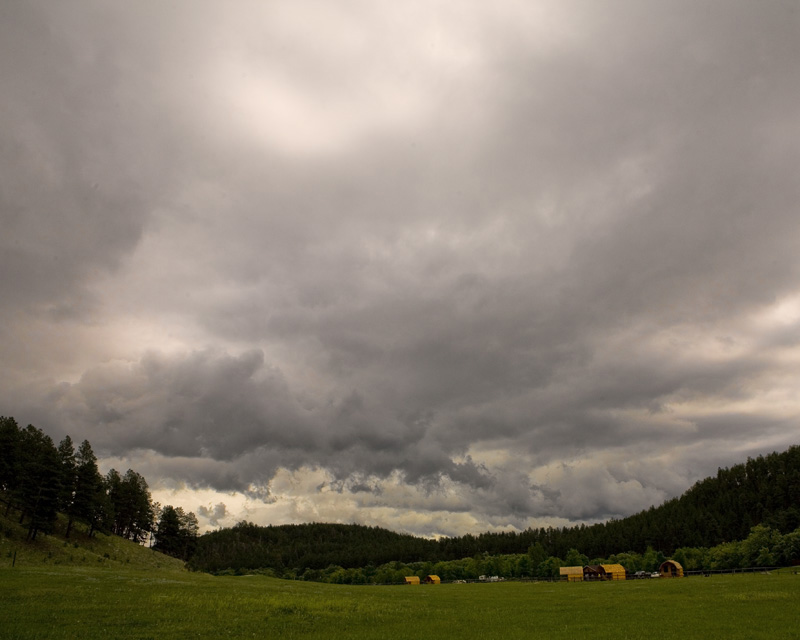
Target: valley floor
{"x": 107, "y": 601}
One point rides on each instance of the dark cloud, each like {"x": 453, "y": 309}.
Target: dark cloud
{"x": 527, "y": 262}
{"x": 213, "y": 514}
{"x": 200, "y": 404}
{"x": 73, "y": 202}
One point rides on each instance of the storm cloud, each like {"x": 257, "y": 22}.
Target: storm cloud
{"x": 441, "y": 267}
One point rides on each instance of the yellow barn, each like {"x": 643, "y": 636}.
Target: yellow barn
{"x": 573, "y": 574}
{"x": 432, "y": 580}
{"x": 412, "y": 579}
{"x": 614, "y": 571}
{"x": 671, "y": 569}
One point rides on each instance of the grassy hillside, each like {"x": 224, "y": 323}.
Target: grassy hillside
{"x": 91, "y": 602}
{"x": 101, "y": 550}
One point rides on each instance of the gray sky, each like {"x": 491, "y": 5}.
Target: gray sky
{"x": 442, "y": 267}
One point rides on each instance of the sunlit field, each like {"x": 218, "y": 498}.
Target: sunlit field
{"x": 119, "y": 602}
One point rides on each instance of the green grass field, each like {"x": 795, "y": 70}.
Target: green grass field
{"x": 111, "y": 601}
{"x": 108, "y": 588}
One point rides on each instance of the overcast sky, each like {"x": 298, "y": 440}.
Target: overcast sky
{"x": 442, "y": 267}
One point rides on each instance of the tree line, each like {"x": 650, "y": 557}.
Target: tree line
{"x": 39, "y": 480}
{"x": 711, "y": 526}
{"x": 305, "y": 546}
{"x": 764, "y": 547}
{"x": 237, "y": 552}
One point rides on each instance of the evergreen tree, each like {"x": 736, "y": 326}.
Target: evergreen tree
{"x": 66, "y": 455}
{"x": 131, "y": 511}
{"x": 9, "y": 458}
{"x": 88, "y": 494}
{"x": 168, "y": 532}
{"x": 39, "y": 480}
{"x": 112, "y": 486}
{"x": 176, "y": 532}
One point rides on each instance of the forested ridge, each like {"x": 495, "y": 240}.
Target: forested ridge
{"x": 306, "y": 546}
{"x": 702, "y": 527}
{"x": 39, "y": 480}
{"x": 722, "y": 508}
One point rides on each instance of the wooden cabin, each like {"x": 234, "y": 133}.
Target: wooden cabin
{"x": 604, "y": 572}
{"x": 594, "y": 572}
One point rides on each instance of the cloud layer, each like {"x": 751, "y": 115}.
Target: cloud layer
{"x": 442, "y": 268}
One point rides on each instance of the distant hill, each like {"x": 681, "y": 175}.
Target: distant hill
{"x": 309, "y": 546}
{"x": 722, "y": 508}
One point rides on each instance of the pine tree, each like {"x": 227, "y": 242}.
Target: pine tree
{"x": 66, "y": 455}
{"x": 39, "y": 480}
{"x": 9, "y": 458}
{"x": 176, "y": 532}
{"x": 168, "y": 532}
{"x": 132, "y": 515}
{"x": 88, "y": 489}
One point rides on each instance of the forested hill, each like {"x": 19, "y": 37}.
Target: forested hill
{"x": 310, "y": 546}
{"x": 722, "y": 508}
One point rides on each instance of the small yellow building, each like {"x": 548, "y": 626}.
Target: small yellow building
{"x": 432, "y": 580}
{"x": 573, "y": 574}
{"x": 412, "y": 579}
{"x": 671, "y": 569}
{"x": 614, "y": 571}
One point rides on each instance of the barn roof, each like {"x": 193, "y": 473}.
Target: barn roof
{"x": 613, "y": 568}
{"x": 570, "y": 571}
{"x": 614, "y": 571}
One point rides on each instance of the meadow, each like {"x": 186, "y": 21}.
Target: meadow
{"x": 105, "y": 587}
{"x": 112, "y": 600}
